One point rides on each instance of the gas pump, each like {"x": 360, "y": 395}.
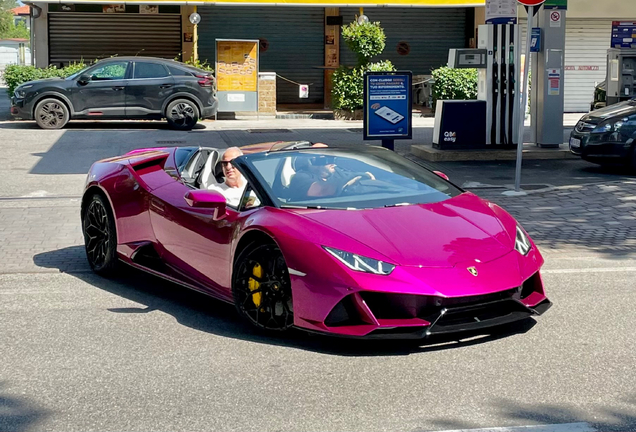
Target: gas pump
{"x": 621, "y": 75}
{"x": 498, "y": 85}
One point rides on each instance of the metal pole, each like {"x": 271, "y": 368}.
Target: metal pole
{"x": 524, "y": 100}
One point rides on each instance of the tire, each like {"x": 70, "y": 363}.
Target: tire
{"x": 632, "y": 162}
{"x": 51, "y": 113}
{"x": 261, "y": 287}
{"x": 182, "y": 114}
{"x": 100, "y": 236}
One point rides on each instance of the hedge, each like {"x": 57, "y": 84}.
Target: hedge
{"x": 454, "y": 84}
{"x": 348, "y": 84}
{"x": 14, "y": 75}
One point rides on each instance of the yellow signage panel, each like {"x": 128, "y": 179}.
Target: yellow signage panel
{"x": 236, "y": 65}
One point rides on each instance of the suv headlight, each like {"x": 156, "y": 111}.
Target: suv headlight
{"x": 20, "y": 92}
{"x": 522, "y": 242}
{"x": 361, "y": 263}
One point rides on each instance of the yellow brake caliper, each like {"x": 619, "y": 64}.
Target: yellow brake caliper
{"x": 253, "y": 284}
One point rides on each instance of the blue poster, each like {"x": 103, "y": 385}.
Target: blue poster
{"x": 624, "y": 34}
{"x": 387, "y": 105}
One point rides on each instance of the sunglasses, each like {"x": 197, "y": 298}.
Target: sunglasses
{"x": 226, "y": 163}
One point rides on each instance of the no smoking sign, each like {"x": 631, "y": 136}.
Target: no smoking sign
{"x": 555, "y": 19}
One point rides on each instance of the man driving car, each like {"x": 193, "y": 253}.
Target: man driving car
{"x": 321, "y": 177}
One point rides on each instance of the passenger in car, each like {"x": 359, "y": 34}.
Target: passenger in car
{"x": 234, "y": 185}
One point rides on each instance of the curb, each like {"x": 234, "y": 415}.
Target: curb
{"x": 433, "y": 155}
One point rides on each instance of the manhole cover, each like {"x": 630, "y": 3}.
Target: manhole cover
{"x": 268, "y": 130}
{"x": 171, "y": 142}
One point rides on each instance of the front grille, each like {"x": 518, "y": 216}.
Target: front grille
{"x": 405, "y": 306}
{"x": 584, "y": 127}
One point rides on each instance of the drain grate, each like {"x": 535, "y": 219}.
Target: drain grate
{"x": 355, "y": 130}
{"x": 268, "y": 130}
{"x": 171, "y": 142}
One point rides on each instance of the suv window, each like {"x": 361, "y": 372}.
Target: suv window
{"x": 111, "y": 71}
{"x": 178, "y": 72}
{"x": 149, "y": 70}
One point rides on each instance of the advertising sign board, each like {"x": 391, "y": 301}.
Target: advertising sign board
{"x": 624, "y": 34}
{"x": 501, "y": 11}
{"x": 387, "y": 105}
{"x": 237, "y": 75}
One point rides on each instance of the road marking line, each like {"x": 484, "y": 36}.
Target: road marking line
{"x": 590, "y": 270}
{"x": 565, "y": 427}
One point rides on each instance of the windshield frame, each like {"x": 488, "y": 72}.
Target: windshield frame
{"x": 245, "y": 163}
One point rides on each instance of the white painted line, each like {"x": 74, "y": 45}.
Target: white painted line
{"x": 565, "y": 427}
{"x": 590, "y": 270}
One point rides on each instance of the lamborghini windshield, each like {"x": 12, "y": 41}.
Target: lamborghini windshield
{"x": 347, "y": 179}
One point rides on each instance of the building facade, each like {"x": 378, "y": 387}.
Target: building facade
{"x": 301, "y": 43}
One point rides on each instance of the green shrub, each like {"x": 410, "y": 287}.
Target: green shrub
{"x": 454, "y": 84}
{"x": 367, "y": 40}
{"x": 348, "y": 84}
{"x": 14, "y": 75}
{"x": 204, "y": 65}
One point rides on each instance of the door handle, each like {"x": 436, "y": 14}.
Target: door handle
{"x": 165, "y": 86}
{"x": 118, "y": 88}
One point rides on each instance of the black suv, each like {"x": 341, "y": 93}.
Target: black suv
{"x": 120, "y": 88}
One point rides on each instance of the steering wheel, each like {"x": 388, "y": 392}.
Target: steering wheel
{"x": 354, "y": 181}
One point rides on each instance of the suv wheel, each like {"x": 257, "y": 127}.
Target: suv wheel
{"x": 182, "y": 114}
{"x": 51, "y": 114}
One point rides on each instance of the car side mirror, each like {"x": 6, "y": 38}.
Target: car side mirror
{"x": 84, "y": 79}
{"x": 207, "y": 199}
{"x": 442, "y": 175}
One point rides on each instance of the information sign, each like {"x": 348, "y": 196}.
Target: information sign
{"x": 387, "y": 105}
{"x": 624, "y": 34}
{"x": 501, "y": 11}
{"x": 237, "y": 75}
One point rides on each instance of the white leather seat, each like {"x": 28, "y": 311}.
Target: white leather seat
{"x": 207, "y": 175}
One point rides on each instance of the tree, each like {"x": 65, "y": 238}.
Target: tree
{"x": 366, "y": 40}
{"x": 8, "y": 28}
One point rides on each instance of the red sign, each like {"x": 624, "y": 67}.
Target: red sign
{"x": 531, "y": 2}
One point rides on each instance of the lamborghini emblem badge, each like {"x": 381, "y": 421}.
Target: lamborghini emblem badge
{"x": 473, "y": 271}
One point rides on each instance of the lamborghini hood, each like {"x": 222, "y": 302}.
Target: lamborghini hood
{"x": 429, "y": 235}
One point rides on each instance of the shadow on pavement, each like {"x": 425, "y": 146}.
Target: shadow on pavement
{"x": 91, "y": 125}
{"x": 206, "y": 314}
{"x": 620, "y": 416}
{"x": 17, "y": 414}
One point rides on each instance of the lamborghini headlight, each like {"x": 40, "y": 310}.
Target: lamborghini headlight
{"x": 522, "y": 242}
{"x": 361, "y": 263}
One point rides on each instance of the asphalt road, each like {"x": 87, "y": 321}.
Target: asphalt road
{"x": 83, "y": 353}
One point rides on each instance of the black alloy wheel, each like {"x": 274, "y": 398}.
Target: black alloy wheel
{"x": 182, "y": 114}
{"x": 51, "y": 114}
{"x": 100, "y": 236}
{"x": 262, "y": 289}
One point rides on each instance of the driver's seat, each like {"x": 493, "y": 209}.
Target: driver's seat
{"x": 207, "y": 175}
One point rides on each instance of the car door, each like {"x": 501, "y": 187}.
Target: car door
{"x": 191, "y": 239}
{"x": 150, "y": 86}
{"x": 103, "y": 94}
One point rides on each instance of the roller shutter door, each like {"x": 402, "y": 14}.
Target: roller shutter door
{"x": 89, "y": 36}
{"x": 295, "y": 37}
{"x": 586, "y": 45}
{"x": 429, "y": 32}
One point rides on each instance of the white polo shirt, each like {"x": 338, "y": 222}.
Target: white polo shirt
{"x": 232, "y": 194}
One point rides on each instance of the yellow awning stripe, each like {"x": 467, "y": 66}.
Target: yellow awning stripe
{"x": 323, "y": 3}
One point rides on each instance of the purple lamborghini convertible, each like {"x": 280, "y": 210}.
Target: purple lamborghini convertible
{"x": 353, "y": 242}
